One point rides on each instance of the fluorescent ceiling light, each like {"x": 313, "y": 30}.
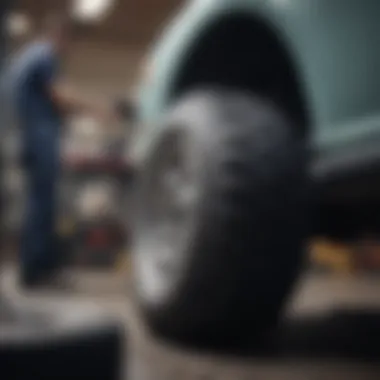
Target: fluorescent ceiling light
{"x": 17, "y": 24}
{"x": 92, "y": 10}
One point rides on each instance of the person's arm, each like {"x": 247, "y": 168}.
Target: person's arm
{"x": 70, "y": 102}
{"x": 65, "y": 98}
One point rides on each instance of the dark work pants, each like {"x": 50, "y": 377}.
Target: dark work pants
{"x": 41, "y": 163}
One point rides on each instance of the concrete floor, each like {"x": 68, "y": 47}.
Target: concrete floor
{"x": 311, "y": 329}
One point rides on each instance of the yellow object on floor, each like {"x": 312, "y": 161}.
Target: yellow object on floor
{"x": 337, "y": 257}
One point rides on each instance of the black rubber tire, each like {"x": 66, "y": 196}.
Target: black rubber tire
{"x": 46, "y": 343}
{"x": 249, "y": 225}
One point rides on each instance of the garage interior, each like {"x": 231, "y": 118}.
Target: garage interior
{"x": 105, "y": 62}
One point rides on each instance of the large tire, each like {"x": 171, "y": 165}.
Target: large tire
{"x": 238, "y": 186}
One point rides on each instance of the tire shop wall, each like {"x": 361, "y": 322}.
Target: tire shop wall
{"x": 104, "y": 62}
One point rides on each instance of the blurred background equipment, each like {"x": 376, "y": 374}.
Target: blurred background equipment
{"x": 95, "y": 192}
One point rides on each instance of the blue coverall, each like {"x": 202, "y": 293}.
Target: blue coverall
{"x": 33, "y": 72}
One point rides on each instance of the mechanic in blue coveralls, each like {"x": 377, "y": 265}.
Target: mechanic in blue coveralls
{"x": 41, "y": 104}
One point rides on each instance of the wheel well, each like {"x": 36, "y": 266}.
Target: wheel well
{"x": 240, "y": 51}
{"x": 348, "y": 207}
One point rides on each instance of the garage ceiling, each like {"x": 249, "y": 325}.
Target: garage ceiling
{"x": 129, "y": 21}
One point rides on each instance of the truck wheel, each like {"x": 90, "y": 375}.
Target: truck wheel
{"x": 222, "y": 219}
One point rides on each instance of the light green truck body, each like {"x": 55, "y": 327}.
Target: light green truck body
{"x": 334, "y": 49}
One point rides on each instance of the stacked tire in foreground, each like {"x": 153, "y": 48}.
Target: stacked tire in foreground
{"x": 70, "y": 341}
